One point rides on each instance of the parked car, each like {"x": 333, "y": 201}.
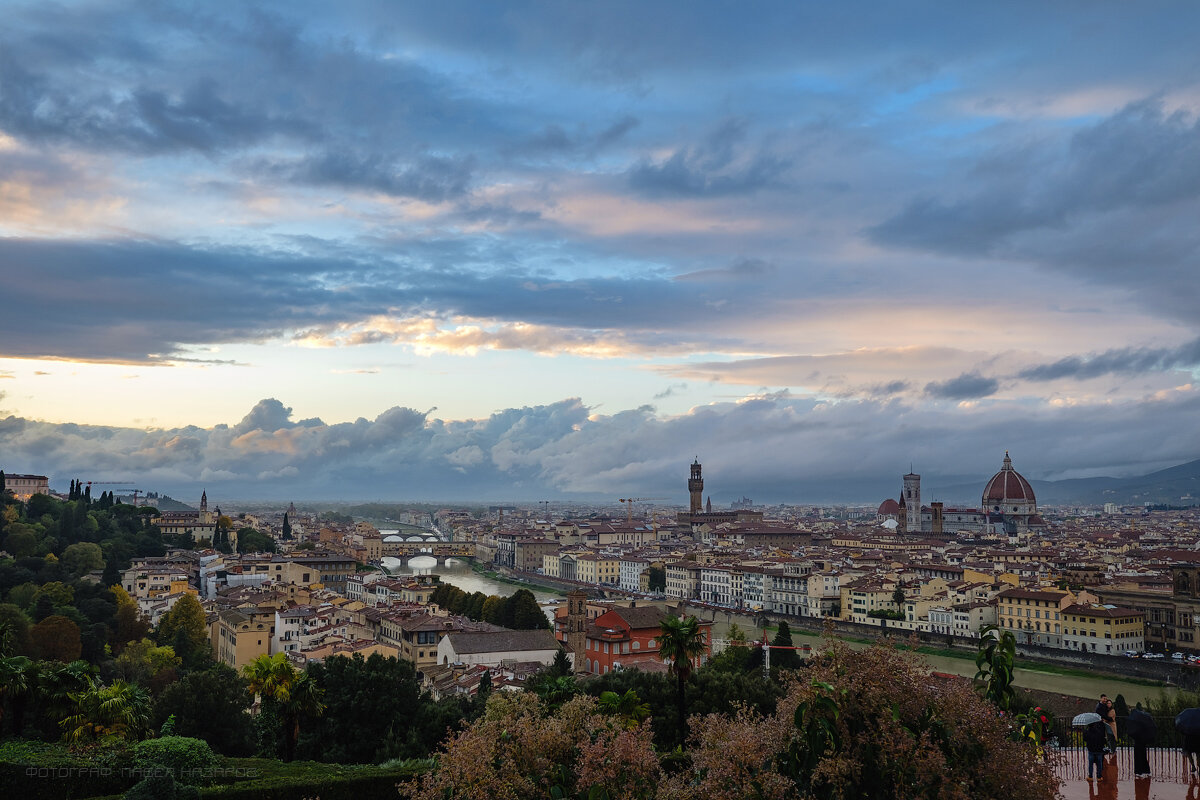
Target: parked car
{"x": 1131, "y": 653}
{"x": 1153, "y": 655}
{"x": 1177, "y": 656}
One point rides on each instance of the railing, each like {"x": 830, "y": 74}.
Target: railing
{"x": 1066, "y": 750}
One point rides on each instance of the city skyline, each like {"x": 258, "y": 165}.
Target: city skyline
{"x": 536, "y": 250}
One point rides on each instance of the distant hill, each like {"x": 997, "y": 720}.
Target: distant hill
{"x": 1178, "y": 485}
{"x": 162, "y": 502}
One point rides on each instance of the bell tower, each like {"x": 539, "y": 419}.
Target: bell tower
{"x": 912, "y": 501}
{"x": 696, "y": 488}
{"x": 577, "y": 627}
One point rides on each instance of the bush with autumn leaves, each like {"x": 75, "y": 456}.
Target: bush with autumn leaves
{"x": 855, "y": 724}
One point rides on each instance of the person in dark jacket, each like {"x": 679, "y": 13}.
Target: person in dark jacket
{"x": 1191, "y": 749}
{"x": 1095, "y": 736}
{"x": 1141, "y": 741}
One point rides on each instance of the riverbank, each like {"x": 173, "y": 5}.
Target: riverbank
{"x": 500, "y": 577}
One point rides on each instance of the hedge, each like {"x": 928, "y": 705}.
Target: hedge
{"x": 33, "y": 770}
{"x": 263, "y": 779}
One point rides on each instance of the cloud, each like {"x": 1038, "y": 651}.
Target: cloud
{"x": 719, "y": 165}
{"x": 430, "y": 178}
{"x": 104, "y": 301}
{"x": 771, "y": 446}
{"x": 968, "y": 386}
{"x": 1113, "y": 203}
{"x": 671, "y": 390}
{"x": 1128, "y": 360}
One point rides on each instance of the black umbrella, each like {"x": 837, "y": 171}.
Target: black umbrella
{"x": 1187, "y": 722}
{"x": 1140, "y": 726}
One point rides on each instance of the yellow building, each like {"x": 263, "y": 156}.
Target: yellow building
{"x": 1034, "y": 615}
{"x": 240, "y": 635}
{"x": 1103, "y": 628}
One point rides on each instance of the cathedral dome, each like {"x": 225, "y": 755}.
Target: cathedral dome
{"x": 888, "y": 507}
{"x": 1009, "y": 492}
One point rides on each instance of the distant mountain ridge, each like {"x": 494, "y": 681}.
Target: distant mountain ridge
{"x": 1178, "y": 485}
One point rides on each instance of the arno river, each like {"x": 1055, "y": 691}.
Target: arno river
{"x": 1023, "y": 678}
{"x": 461, "y": 575}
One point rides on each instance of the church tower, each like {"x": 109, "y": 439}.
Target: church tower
{"x": 912, "y": 502}
{"x": 696, "y": 488}
{"x": 204, "y": 517}
{"x": 577, "y": 627}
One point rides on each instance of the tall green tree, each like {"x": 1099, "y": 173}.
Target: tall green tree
{"x": 682, "y": 643}
{"x": 523, "y": 613}
{"x": 186, "y": 618}
{"x": 81, "y": 558}
{"x": 212, "y": 705}
{"x": 784, "y": 658}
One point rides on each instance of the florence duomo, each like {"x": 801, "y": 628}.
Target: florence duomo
{"x": 1007, "y": 505}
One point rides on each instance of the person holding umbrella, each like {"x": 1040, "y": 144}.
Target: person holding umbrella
{"x": 1095, "y": 736}
{"x": 1142, "y": 730}
{"x": 1187, "y": 722}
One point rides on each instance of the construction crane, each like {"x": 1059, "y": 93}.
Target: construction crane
{"x": 629, "y": 501}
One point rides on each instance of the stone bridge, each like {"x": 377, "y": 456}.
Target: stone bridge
{"x": 436, "y": 549}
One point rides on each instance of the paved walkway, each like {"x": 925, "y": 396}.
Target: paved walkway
{"x": 1169, "y": 779}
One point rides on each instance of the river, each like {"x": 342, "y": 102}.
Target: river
{"x": 461, "y": 575}
{"x": 1071, "y": 685}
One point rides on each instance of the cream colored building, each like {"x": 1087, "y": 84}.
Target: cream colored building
{"x": 240, "y": 635}
{"x": 24, "y": 487}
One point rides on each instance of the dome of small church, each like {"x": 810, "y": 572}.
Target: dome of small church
{"x": 887, "y": 507}
{"x": 1008, "y": 488}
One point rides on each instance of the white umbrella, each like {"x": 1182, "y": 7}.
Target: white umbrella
{"x": 1086, "y": 718}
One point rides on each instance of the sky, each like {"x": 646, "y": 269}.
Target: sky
{"x": 541, "y": 250}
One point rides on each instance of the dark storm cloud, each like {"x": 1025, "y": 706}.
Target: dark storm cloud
{"x": 968, "y": 386}
{"x": 105, "y": 301}
{"x": 1123, "y": 361}
{"x": 775, "y": 445}
{"x": 1140, "y": 157}
{"x": 1115, "y": 203}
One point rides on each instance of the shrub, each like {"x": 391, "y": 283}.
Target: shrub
{"x": 188, "y": 761}
{"x": 161, "y": 787}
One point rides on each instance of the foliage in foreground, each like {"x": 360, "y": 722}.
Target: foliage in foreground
{"x": 856, "y": 724}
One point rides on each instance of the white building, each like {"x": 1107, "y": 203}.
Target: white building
{"x": 496, "y": 647}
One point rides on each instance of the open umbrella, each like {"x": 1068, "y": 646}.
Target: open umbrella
{"x": 1140, "y": 726}
{"x": 1087, "y": 719}
{"x": 1188, "y": 722}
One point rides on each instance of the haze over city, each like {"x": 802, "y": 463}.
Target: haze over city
{"x": 535, "y": 250}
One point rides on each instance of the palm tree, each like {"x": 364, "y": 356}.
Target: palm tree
{"x": 15, "y": 674}
{"x": 292, "y": 691}
{"x": 56, "y": 683}
{"x": 628, "y": 707}
{"x": 119, "y": 711}
{"x": 682, "y": 643}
